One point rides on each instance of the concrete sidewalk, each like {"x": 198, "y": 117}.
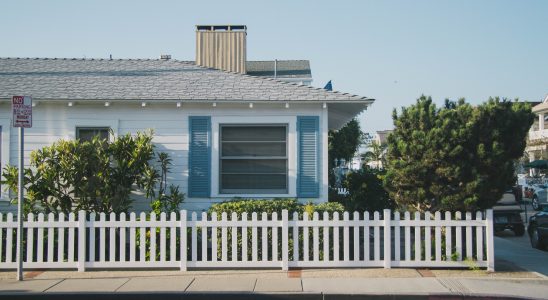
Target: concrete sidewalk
{"x": 309, "y": 284}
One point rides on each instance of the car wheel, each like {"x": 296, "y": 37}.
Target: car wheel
{"x": 535, "y": 203}
{"x": 536, "y": 241}
{"x": 519, "y": 231}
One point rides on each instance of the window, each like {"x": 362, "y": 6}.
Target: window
{"x": 253, "y": 159}
{"x": 87, "y": 133}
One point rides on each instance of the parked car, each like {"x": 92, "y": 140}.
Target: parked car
{"x": 538, "y": 229}
{"x": 507, "y": 214}
{"x": 539, "y": 194}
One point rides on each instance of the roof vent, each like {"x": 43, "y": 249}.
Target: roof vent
{"x": 165, "y": 57}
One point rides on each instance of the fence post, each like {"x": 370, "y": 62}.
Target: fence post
{"x": 81, "y": 241}
{"x": 285, "y": 240}
{"x": 489, "y": 239}
{"x": 183, "y": 239}
{"x": 387, "y": 239}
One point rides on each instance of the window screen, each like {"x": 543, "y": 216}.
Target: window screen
{"x": 253, "y": 159}
{"x": 87, "y": 133}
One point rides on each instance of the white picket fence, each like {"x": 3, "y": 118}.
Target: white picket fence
{"x": 266, "y": 241}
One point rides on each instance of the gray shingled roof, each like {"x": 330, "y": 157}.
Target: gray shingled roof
{"x": 284, "y": 68}
{"x": 145, "y": 79}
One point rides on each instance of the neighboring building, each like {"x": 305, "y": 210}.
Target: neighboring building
{"x": 382, "y": 136}
{"x": 293, "y": 71}
{"x": 537, "y": 141}
{"x": 356, "y": 162}
{"x": 297, "y": 71}
{"x": 229, "y": 134}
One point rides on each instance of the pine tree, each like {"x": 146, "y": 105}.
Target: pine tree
{"x": 458, "y": 157}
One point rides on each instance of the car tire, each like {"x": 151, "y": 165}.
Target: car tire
{"x": 536, "y": 240}
{"x": 534, "y": 203}
{"x": 519, "y": 231}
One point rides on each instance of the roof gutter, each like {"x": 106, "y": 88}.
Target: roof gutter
{"x": 364, "y": 101}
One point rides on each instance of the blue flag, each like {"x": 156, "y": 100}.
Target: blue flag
{"x": 328, "y": 86}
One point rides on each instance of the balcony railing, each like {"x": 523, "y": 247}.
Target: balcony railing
{"x": 538, "y": 134}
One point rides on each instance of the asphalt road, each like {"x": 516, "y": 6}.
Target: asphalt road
{"x": 516, "y": 252}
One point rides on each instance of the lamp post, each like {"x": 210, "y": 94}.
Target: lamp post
{"x": 340, "y": 170}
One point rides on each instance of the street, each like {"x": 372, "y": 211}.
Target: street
{"x": 512, "y": 251}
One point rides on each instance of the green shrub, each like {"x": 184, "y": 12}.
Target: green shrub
{"x": 239, "y": 206}
{"x": 329, "y": 207}
{"x": 366, "y": 191}
{"x": 277, "y": 205}
{"x": 259, "y": 206}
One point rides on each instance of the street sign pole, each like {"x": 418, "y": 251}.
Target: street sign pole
{"x": 20, "y": 198}
{"x": 21, "y": 107}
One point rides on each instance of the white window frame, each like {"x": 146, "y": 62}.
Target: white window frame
{"x": 92, "y": 128}
{"x": 80, "y": 123}
{"x": 289, "y": 121}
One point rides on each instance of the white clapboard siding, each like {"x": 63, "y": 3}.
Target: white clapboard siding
{"x": 53, "y": 121}
{"x": 160, "y": 241}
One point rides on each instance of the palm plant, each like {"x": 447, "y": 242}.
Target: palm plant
{"x": 374, "y": 154}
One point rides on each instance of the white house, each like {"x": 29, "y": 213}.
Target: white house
{"x": 229, "y": 134}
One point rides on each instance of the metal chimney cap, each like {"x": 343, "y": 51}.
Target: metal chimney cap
{"x": 221, "y": 27}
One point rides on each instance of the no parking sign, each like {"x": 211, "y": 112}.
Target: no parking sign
{"x": 21, "y": 107}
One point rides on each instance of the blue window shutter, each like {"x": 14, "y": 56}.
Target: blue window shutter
{"x": 199, "y": 157}
{"x": 308, "y": 141}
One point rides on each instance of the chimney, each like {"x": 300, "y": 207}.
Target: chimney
{"x": 221, "y": 47}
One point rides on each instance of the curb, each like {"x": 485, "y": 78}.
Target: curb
{"x": 243, "y": 296}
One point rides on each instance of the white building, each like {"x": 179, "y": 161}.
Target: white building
{"x": 537, "y": 140}
{"x": 218, "y": 126}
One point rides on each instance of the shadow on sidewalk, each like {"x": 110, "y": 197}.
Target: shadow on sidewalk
{"x": 502, "y": 265}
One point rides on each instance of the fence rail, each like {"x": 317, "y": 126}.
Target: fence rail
{"x": 87, "y": 241}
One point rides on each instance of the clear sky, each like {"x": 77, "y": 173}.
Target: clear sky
{"x": 392, "y": 51}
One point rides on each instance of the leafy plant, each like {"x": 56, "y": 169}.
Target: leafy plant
{"x": 472, "y": 264}
{"x": 95, "y": 175}
{"x": 375, "y": 154}
{"x": 164, "y": 202}
{"x": 168, "y": 202}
